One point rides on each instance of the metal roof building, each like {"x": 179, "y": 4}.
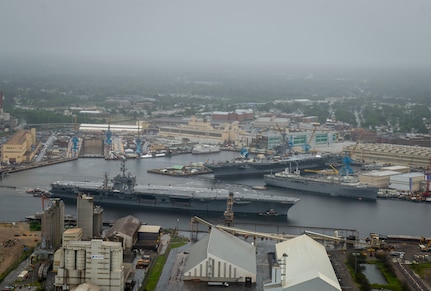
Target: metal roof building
{"x": 87, "y": 127}
{"x": 124, "y": 230}
{"x": 411, "y": 156}
{"x": 221, "y": 257}
{"x": 303, "y": 264}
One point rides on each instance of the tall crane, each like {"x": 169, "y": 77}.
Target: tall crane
{"x": 138, "y": 142}
{"x": 285, "y": 144}
{"x": 44, "y": 198}
{"x": 307, "y": 146}
{"x": 358, "y": 140}
{"x": 109, "y": 133}
{"x": 428, "y": 177}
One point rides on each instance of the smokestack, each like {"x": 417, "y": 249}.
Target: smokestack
{"x": 1, "y": 100}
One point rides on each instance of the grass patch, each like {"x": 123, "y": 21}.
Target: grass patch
{"x": 35, "y": 226}
{"x": 385, "y": 267}
{"x": 155, "y": 269}
{"x": 421, "y": 269}
{"x": 393, "y": 282}
{"x": 177, "y": 242}
{"x": 153, "y": 275}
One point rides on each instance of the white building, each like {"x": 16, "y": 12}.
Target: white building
{"x": 97, "y": 262}
{"x": 410, "y": 182}
{"x": 221, "y": 257}
{"x": 303, "y": 265}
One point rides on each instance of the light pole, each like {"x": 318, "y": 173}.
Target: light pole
{"x": 178, "y": 221}
{"x": 356, "y": 262}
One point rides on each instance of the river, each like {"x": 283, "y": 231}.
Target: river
{"x": 383, "y": 216}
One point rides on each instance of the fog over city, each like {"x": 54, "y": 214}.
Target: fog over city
{"x": 380, "y": 34}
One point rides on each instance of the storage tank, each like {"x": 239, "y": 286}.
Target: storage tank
{"x": 116, "y": 259}
{"x": 69, "y": 259}
{"x": 80, "y": 260}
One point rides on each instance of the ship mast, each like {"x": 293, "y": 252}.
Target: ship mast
{"x": 228, "y": 214}
{"x": 123, "y": 167}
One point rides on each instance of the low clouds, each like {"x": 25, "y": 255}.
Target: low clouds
{"x": 335, "y": 32}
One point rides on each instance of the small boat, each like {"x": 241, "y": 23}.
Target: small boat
{"x": 146, "y": 156}
{"x": 205, "y": 149}
{"x": 261, "y": 188}
{"x": 37, "y": 192}
{"x": 34, "y": 190}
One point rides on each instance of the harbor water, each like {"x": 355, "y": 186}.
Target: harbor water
{"x": 384, "y": 216}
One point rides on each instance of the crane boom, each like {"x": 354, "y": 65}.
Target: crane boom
{"x": 332, "y": 171}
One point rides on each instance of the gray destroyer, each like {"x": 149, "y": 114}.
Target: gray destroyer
{"x": 123, "y": 190}
{"x": 331, "y": 185}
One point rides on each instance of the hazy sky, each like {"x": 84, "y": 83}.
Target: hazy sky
{"x": 302, "y": 32}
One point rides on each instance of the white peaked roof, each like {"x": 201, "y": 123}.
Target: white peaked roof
{"x": 224, "y": 246}
{"x": 307, "y": 264}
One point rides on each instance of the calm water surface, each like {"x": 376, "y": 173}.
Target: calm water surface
{"x": 381, "y": 216}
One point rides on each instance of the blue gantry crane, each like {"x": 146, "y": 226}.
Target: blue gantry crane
{"x": 346, "y": 169}
{"x": 75, "y": 141}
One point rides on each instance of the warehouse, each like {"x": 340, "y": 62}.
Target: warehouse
{"x": 221, "y": 257}
{"x": 125, "y": 230}
{"x": 303, "y": 264}
{"x": 410, "y": 156}
{"x": 378, "y": 179}
{"x": 410, "y": 182}
{"x": 21, "y": 147}
{"x": 149, "y": 237}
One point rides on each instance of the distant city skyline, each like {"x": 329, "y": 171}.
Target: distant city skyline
{"x": 335, "y": 33}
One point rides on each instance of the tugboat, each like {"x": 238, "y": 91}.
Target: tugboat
{"x": 37, "y": 192}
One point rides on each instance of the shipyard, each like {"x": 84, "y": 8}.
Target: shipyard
{"x": 202, "y": 145}
{"x": 225, "y": 223}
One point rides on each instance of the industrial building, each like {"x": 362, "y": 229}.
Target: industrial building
{"x": 237, "y": 115}
{"x": 391, "y": 154}
{"x": 52, "y": 225}
{"x": 95, "y": 262}
{"x": 202, "y": 131}
{"x": 98, "y": 128}
{"x": 149, "y": 237}
{"x": 296, "y": 140}
{"x": 20, "y": 148}
{"x": 90, "y": 217}
{"x": 408, "y": 182}
{"x": 221, "y": 257}
{"x": 125, "y": 230}
{"x": 265, "y": 122}
{"x": 302, "y": 264}
{"x": 379, "y": 179}
{"x": 72, "y": 234}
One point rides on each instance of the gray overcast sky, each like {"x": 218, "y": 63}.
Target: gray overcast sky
{"x": 300, "y": 32}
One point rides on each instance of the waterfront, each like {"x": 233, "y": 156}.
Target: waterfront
{"x": 381, "y": 216}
